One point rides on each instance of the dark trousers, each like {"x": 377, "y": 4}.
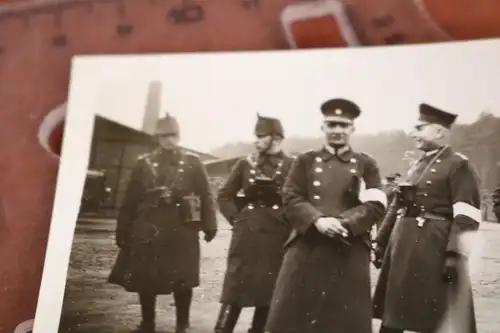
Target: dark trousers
{"x": 384, "y": 329}
{"x": 229, "y": 314}
{"x": 182, "y": 307}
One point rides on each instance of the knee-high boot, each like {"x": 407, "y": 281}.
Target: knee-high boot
{"x": 182, "y": 307}
{"x": 148, "y": 312}
{"x": 259, "y": 319}
{"x": 228, "y": 317}
{"x": 384, "y": 329}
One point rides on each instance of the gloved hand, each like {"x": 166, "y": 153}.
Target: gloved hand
{"x": 451, "y": 268}
{"x": 121, "y": 240}
{"x": 378, "y": 253}
{"x": 209, "y": 235}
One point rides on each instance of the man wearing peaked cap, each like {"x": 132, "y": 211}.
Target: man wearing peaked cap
{"x": 251, "y": 202}
{"x": 432, "y": 115}
{"x": 332, "y": 198}
{"x": 166, "y": 203}
{"x": 341, "y": 110}
{"x": 431, "y": 228}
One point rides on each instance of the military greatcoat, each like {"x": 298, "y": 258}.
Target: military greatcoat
{"x": 496, "y": 203}
{"x": 159, "y": 246}
{"x": 410, "y": 293}
{"x": 324, "y": 284}
{"x": 259, "y": 229}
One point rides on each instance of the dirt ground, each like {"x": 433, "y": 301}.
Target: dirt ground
{"x": 93, "y": 305}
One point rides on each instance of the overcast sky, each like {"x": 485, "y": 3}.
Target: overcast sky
{"x": 216, "y": 96}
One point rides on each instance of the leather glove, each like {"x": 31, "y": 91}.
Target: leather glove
{"x": 378, "y": 255}
{"x": 209, "y": 235}
{"x": 451, "y": 267}
{"x": 120, "y": 241}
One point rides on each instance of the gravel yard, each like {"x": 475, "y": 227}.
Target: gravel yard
{"x": 94, "y": 306}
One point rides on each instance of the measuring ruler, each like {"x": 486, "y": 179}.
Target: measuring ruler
{"x": 38, "y": 39}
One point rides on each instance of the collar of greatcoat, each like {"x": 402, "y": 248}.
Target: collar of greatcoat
{"x": 344, "y": 153}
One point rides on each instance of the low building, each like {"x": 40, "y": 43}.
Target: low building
{"x": 115, "y": 149}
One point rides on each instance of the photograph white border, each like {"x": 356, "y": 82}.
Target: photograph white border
{"x": 84, "y": 94}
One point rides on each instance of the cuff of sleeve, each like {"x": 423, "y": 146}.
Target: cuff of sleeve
{"x": 461, "y": 244}
{"x": 361, "y": 218}
{"x": 374, "y": 195}
{"x": 309, "y": 222}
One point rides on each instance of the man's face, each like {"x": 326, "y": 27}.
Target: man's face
{"x": 168, "y": 141}
{"x": 425, "y": 136}
{"x": 337, "y": 132}
{"x": 263, "y": 142}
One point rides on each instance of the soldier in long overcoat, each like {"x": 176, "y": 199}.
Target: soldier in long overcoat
{"x": 496, "y": 203}
{"x": 333, "y": 197}
{"x": 251, "y": 201}
{"x": 167, "y": 202}
{"x": 424, "y": 283}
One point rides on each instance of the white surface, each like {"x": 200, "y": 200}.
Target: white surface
{"x": 216, "y": 97}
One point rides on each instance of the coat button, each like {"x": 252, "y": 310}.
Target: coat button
{"x": 316, "y": 183}
{"x": 252, "y": 172}
{"x": 181, "y": 162}
{"x": 433, "y": 170}
{"x": 426, "y": 194}
{"x": 353, "y": 160}
{"x": 278, "y": 172}
{"x": 318, "y": 170}
{"x": 181, "y": 170}
{"x": 275, "y": 207}
{"x": 250, "y": 206}
{"x": 438, "y": 161}
{"x": 429, "y": 182}
{"x": 352, "y": 171}
{"x": 316, "y": 197}
{"x": 318, "y": 159}
{"x": 251, "y": 180}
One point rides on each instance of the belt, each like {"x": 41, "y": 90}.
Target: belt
{"x": 252, "y": 205}
{"x": 432, "y": 216}
{"x": 423, "y": 217}
{"x": 427, "y": 216}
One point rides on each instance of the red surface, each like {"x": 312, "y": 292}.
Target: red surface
{"x": 466, "y": 19}
{"x": 34, "y": 78}
{"x": 55, "y": 139}
{"x": 318, "y": 32}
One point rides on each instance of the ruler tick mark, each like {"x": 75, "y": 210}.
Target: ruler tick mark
{"x": 124, "y": 29}
{"x": 60, "y": 41}
{"x": 52, "y": 8}
{"x": 122, "y": 10}
{"x": 395, "y": 38}
{"x": 383, "y": 21}
{"x": 188, "y": 13}
{"x": 249, "y": 4}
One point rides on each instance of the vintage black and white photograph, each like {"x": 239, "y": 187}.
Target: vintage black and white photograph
{"x": 318, "y": 191}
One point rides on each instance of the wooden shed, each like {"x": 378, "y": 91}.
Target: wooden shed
{"x": 115, "y": 149}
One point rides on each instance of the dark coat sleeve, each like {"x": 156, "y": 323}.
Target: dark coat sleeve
{"x": 496, "y": 203}
{"x": 208, "y": 209}
{"x": 299, "y": 212}
{"x": 466, "y": 196}
{"x": 226, "y": 197}
{"x": 133, "y": 195}
{"x": 361, "y": 218}
{"x": 388, "y": 222}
